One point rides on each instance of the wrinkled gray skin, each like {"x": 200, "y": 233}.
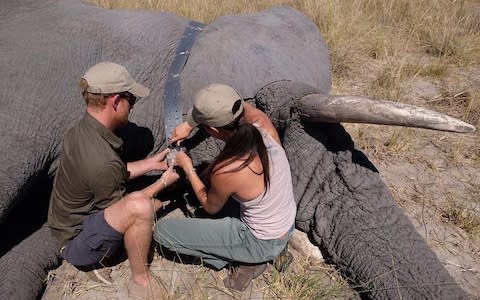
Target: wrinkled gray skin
{"x": 45, "y": 47}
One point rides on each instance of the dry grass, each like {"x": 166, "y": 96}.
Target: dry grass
{"x": 398, "y": 141}
{"x": 464, "y": 211}
{"x": 305, "y": 282}
{"x": 199, "y": 10}
{"x": 391, "y": 42}
{"x": 463, "y": 215}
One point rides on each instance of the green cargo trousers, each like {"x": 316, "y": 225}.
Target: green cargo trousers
{"x": 217, "y": 241}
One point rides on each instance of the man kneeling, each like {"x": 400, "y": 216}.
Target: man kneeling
{"x": 90, "y": 214}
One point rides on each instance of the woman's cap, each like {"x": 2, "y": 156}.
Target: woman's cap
{"x": 111, "y": 78}
{"x": 215, "y": 105}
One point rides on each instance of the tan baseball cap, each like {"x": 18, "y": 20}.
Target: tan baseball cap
{"x": 214, "y": 105}
{"x": 111, "y": 78}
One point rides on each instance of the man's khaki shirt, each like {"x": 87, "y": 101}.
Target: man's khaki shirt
{"x": 91, "y": 176}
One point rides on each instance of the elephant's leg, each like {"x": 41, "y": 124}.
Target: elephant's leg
{"x": 350, "y": 214}
{"x": 23, "y": 270}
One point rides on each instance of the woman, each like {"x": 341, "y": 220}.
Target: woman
{"x": 253, "y": 169}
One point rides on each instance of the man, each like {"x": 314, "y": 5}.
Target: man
{"x": 253, "y": 169}
{"x": 90, "y": 214}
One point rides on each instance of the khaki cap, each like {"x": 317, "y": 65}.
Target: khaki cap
{"x": 214, "y": 106}
{"x": 111, "y": 78}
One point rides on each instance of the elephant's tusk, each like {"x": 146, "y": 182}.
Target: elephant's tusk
{"x": 355, "y": 109}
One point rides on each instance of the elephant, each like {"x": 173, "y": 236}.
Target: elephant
{"x": 277, "y": 59}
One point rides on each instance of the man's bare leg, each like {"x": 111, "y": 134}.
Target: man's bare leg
{"x": 133, "y": 216}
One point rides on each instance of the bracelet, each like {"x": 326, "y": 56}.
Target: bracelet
{"x": 164, "y": 183}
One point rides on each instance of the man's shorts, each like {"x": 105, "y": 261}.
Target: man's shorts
{"x": 97, "y": 241}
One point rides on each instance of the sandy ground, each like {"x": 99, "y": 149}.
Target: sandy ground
{"x": 186, "y": 281}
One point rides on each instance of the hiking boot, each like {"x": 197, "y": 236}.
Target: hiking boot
{"x": 283, "y": 260}
{"x": 241, "y": 276}
{"x": 154, "y": 290}
{"x": 100, "y": 275}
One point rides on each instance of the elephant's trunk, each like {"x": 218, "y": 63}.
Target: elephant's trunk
{"x": 348, "y": 211}
{"x": 336, "y": 109}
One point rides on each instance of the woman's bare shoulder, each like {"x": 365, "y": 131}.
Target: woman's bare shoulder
{"x": 246, "y": 183}
{"x": 228, "y": 166}
{"x": 255, "y": 116}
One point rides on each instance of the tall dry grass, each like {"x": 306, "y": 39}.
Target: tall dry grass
{"x": 391, "y": 42}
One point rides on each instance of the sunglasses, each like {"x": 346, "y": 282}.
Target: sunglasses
{"x": 129, "y": 97}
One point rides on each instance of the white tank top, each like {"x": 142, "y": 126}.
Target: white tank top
{"x": 271, "y": 215}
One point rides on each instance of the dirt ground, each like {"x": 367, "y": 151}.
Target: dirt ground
{"x": 434, "y": 176}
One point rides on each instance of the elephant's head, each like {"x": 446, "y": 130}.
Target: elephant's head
{"x": 275, "y": 57}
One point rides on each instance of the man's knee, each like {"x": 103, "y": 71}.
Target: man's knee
{"x": 140, "y": 205}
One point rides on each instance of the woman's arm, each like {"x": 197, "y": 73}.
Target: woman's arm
{"x": 168, "y": 177}
{"x": 220, "y": 190}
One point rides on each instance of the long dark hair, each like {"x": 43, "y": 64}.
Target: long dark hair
{"x": 247, "y": 140}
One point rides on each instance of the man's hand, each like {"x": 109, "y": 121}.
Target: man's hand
{"x": 153, "y": 163}
{"x": 158, "y": 161}
{"x": 180, "y": 133}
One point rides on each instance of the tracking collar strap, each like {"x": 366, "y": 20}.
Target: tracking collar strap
{"x": 172, "y": 98}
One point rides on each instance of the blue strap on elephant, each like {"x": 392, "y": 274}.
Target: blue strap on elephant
{"x": 172, "y": 97}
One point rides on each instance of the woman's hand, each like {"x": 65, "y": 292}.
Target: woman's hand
{"x": 180, "y": 133}
{"x": 183, "y": 161}
{"x": 169, "y": 176}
